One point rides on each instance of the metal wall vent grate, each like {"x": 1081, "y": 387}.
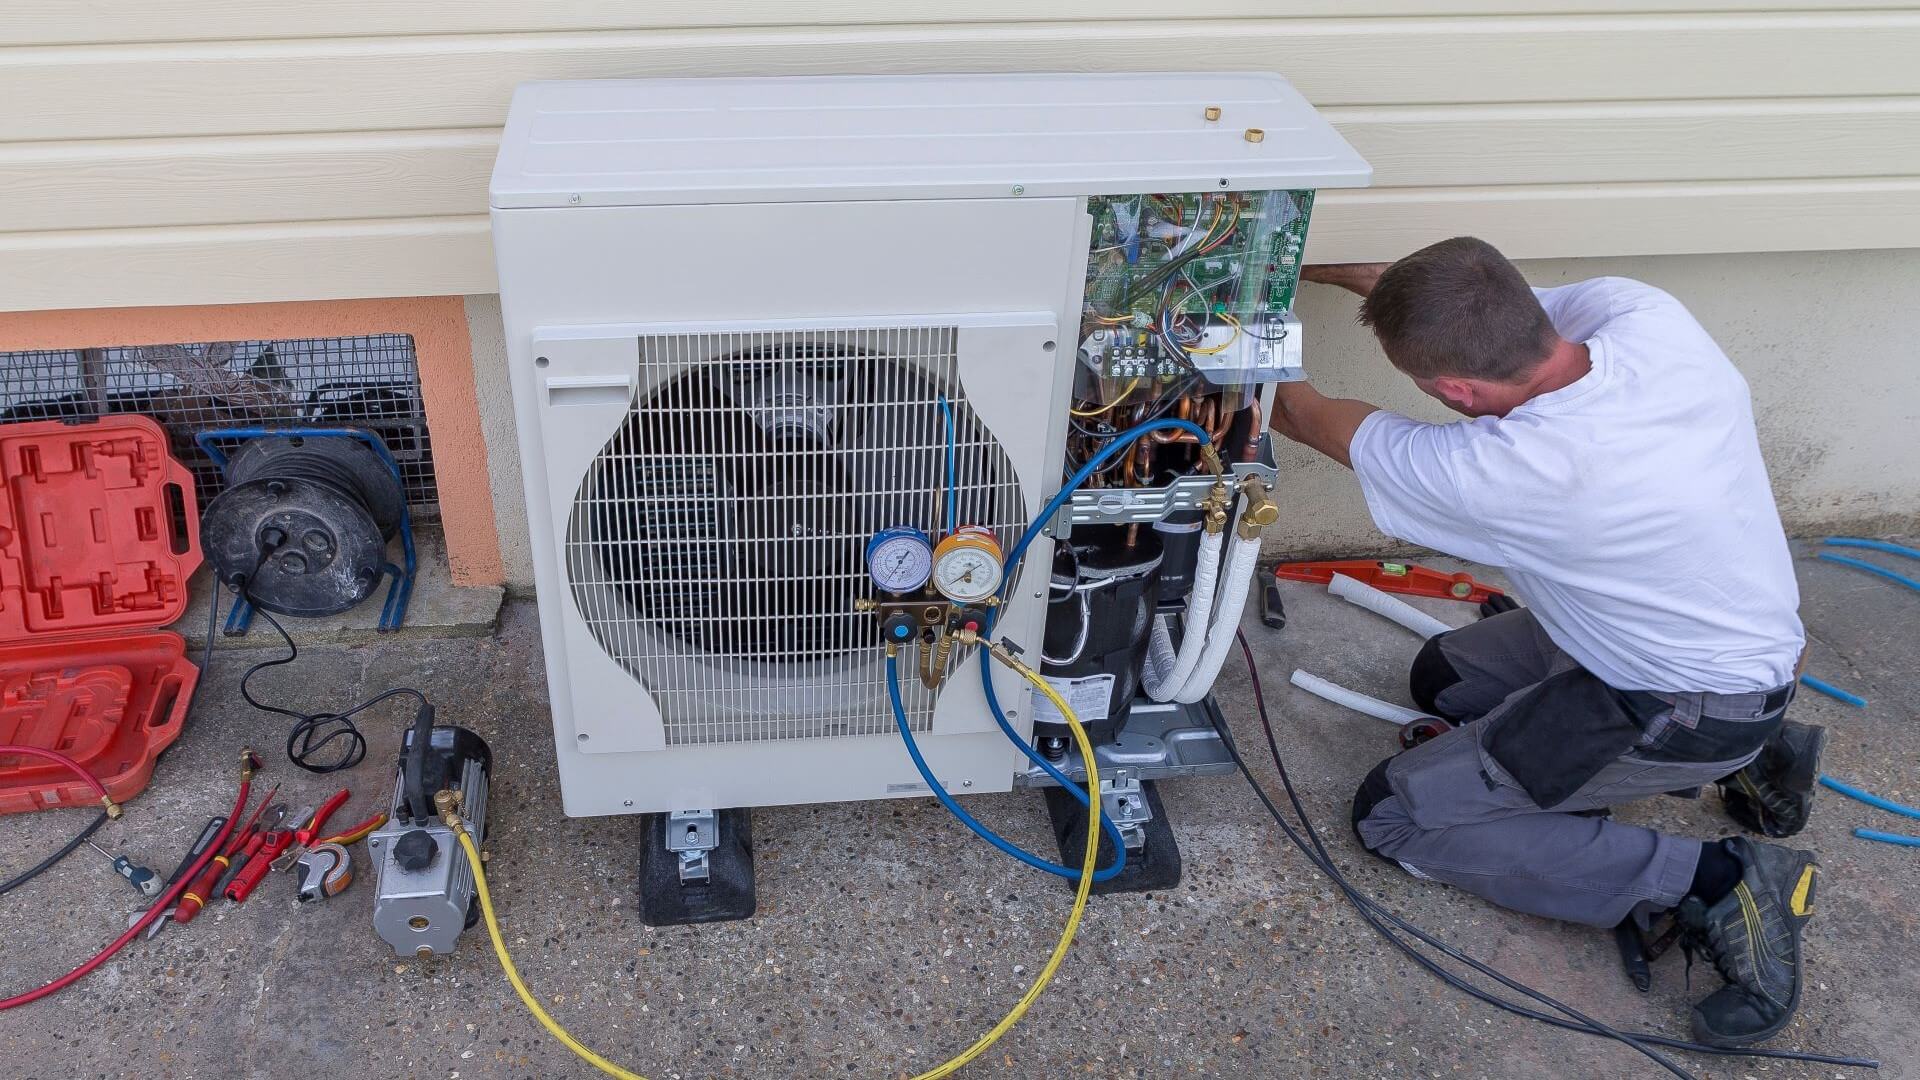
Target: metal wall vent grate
{"x": 368, "y": 382}
{"x": 716, "y": 543}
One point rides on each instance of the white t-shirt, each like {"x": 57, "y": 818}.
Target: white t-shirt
{"x": 1630, "y": 509}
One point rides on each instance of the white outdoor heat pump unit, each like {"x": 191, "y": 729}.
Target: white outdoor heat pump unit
{"x": 755, "y": 324}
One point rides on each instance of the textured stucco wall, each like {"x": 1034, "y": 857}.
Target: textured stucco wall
{"x": 1830, "y": 343}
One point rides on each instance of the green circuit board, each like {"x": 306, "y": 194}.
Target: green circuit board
{"x": 1221, "y": 253}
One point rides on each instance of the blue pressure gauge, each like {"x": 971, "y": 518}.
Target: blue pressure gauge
{"x": 900, "y": 559}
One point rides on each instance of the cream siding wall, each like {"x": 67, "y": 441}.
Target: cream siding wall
{"x": 208, "y": 152}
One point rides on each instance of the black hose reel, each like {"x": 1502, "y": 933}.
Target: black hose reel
{"x": 304, "y": 523}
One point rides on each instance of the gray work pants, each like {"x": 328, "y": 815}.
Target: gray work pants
{"x": 1466, "y": 808}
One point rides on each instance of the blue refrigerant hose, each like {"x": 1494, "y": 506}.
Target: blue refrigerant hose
{"x": 940, "y": 792}
{"x": 1119, "y": 444}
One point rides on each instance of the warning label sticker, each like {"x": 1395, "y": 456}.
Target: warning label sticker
{"x": 1088, "y": 695}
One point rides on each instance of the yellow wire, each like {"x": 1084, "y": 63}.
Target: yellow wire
{"x": 1088, "y": 864}
{"x": 1225, "y": 345}
{"x": 1111, "y": 405}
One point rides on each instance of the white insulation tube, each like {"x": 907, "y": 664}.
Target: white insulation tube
{"x": 1355, "y": 700}
{"x": 1242, "y": 554}
{"x": 1166, "y": 671}
{"x": 1359, "y": 592}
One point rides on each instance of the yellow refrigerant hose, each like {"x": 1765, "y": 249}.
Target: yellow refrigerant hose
{"x": 449, "y": 813}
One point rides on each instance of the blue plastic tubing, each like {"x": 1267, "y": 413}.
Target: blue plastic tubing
{"x": 953, "y": 492}
{"x": 1833, "y": 691}
{"x": 1862, "y": 564}
{"x": 1871, "y": 545}
{"x": 1868, "y": 797}
{"x": 1888, "y": 837}
{"x": 1118, "y": 445}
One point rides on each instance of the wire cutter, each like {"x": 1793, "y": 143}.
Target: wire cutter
{"x": 305, "y": 835}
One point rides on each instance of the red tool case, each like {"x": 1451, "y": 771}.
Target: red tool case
{"x": 98, "y": 536}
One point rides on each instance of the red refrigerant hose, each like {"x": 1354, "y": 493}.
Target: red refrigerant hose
{"x": 249, "y": 761}
{"x": 71, "y": 766}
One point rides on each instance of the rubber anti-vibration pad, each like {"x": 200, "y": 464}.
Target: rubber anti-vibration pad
{"x": 726, "y": 895}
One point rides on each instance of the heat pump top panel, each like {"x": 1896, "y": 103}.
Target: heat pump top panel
{"x": 640, "y": 142}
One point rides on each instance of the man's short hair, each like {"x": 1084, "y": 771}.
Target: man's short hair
{"x": 1458, "y": 308}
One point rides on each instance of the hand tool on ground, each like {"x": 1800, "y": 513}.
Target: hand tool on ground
{"x": 249, "y": 847}
{"x": 325, "y": 870}
{"x": 201, "y": 888}
{"x": 1405, "y": 578}
{"x": 143, "y": 879}
{"x": 200, "y": 845}
{"x": 308, "y": 834}
{"x": 272, "y": 844}
{"x": 1273, "y": 609}
{"x": 249, "y": 761}
{"x": 1415, "y": 732}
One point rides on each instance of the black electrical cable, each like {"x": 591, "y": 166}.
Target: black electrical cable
{"x": 53, "y": 860}
{"x": 1377, "y": 916}
{"x": 313, "y": 733}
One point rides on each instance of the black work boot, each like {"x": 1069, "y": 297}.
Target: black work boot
{"x": 1772, "y": 794}
{"x": 1752, "y": 935}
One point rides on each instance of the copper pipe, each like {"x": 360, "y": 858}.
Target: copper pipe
{"x": 1183, "y": 411}
{"x": 1254, "y": 430}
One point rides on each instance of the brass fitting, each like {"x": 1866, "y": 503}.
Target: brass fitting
{"x": 1259, "y": 512}
{"x": 448, "y": 804}
{"x": 1214, "y": 506}
{"x": 1210, "y": 457}
{"x": 864, "y": 603}
{"x": 113, "y": 808}
{"x": 249, "y": 762}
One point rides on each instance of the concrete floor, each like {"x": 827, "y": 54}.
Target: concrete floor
{"x": 887, "y": 938}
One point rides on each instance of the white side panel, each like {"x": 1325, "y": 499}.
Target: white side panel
{"x": 605, "y": 274}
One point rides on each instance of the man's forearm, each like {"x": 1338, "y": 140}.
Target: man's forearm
{"x": 1307, "y": 416}
{"x": 1357, "y": 278}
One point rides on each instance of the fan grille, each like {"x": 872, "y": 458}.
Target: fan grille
{"x": 716, "y": 543}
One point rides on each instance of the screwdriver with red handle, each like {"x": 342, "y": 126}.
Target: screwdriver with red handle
{"x": 260, "y": 859}
{"x": 201, "y": 890}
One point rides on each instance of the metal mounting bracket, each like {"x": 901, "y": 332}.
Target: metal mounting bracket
{"x": 1126, "y": 506}
{"x": 692, "y": 834}
{"x": 1124, "y": 803}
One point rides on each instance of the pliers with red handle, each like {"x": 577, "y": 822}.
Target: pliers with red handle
{"x": 305, "y": 836}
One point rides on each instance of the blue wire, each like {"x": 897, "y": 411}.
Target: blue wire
{"x": 1868, "y": 797}
{"x": 953, "y": 493}
{"x": 946, "y": 800}
{"x": 1862, "y": 564}
{"x": 1888, "y": 837}
{"x": 1871, "y": 545}
{"x": 1833, "y": 691}
{"x": 1011, "y": 565}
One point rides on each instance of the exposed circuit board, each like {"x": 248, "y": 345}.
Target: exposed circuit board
{"x": 1180, "y": 283}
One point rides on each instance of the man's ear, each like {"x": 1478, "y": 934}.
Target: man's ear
{"x": 1461, "y": 395}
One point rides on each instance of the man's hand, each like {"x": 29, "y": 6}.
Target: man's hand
{"x": 1354, "y": 277}
{"x": 1307, "y": 416}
